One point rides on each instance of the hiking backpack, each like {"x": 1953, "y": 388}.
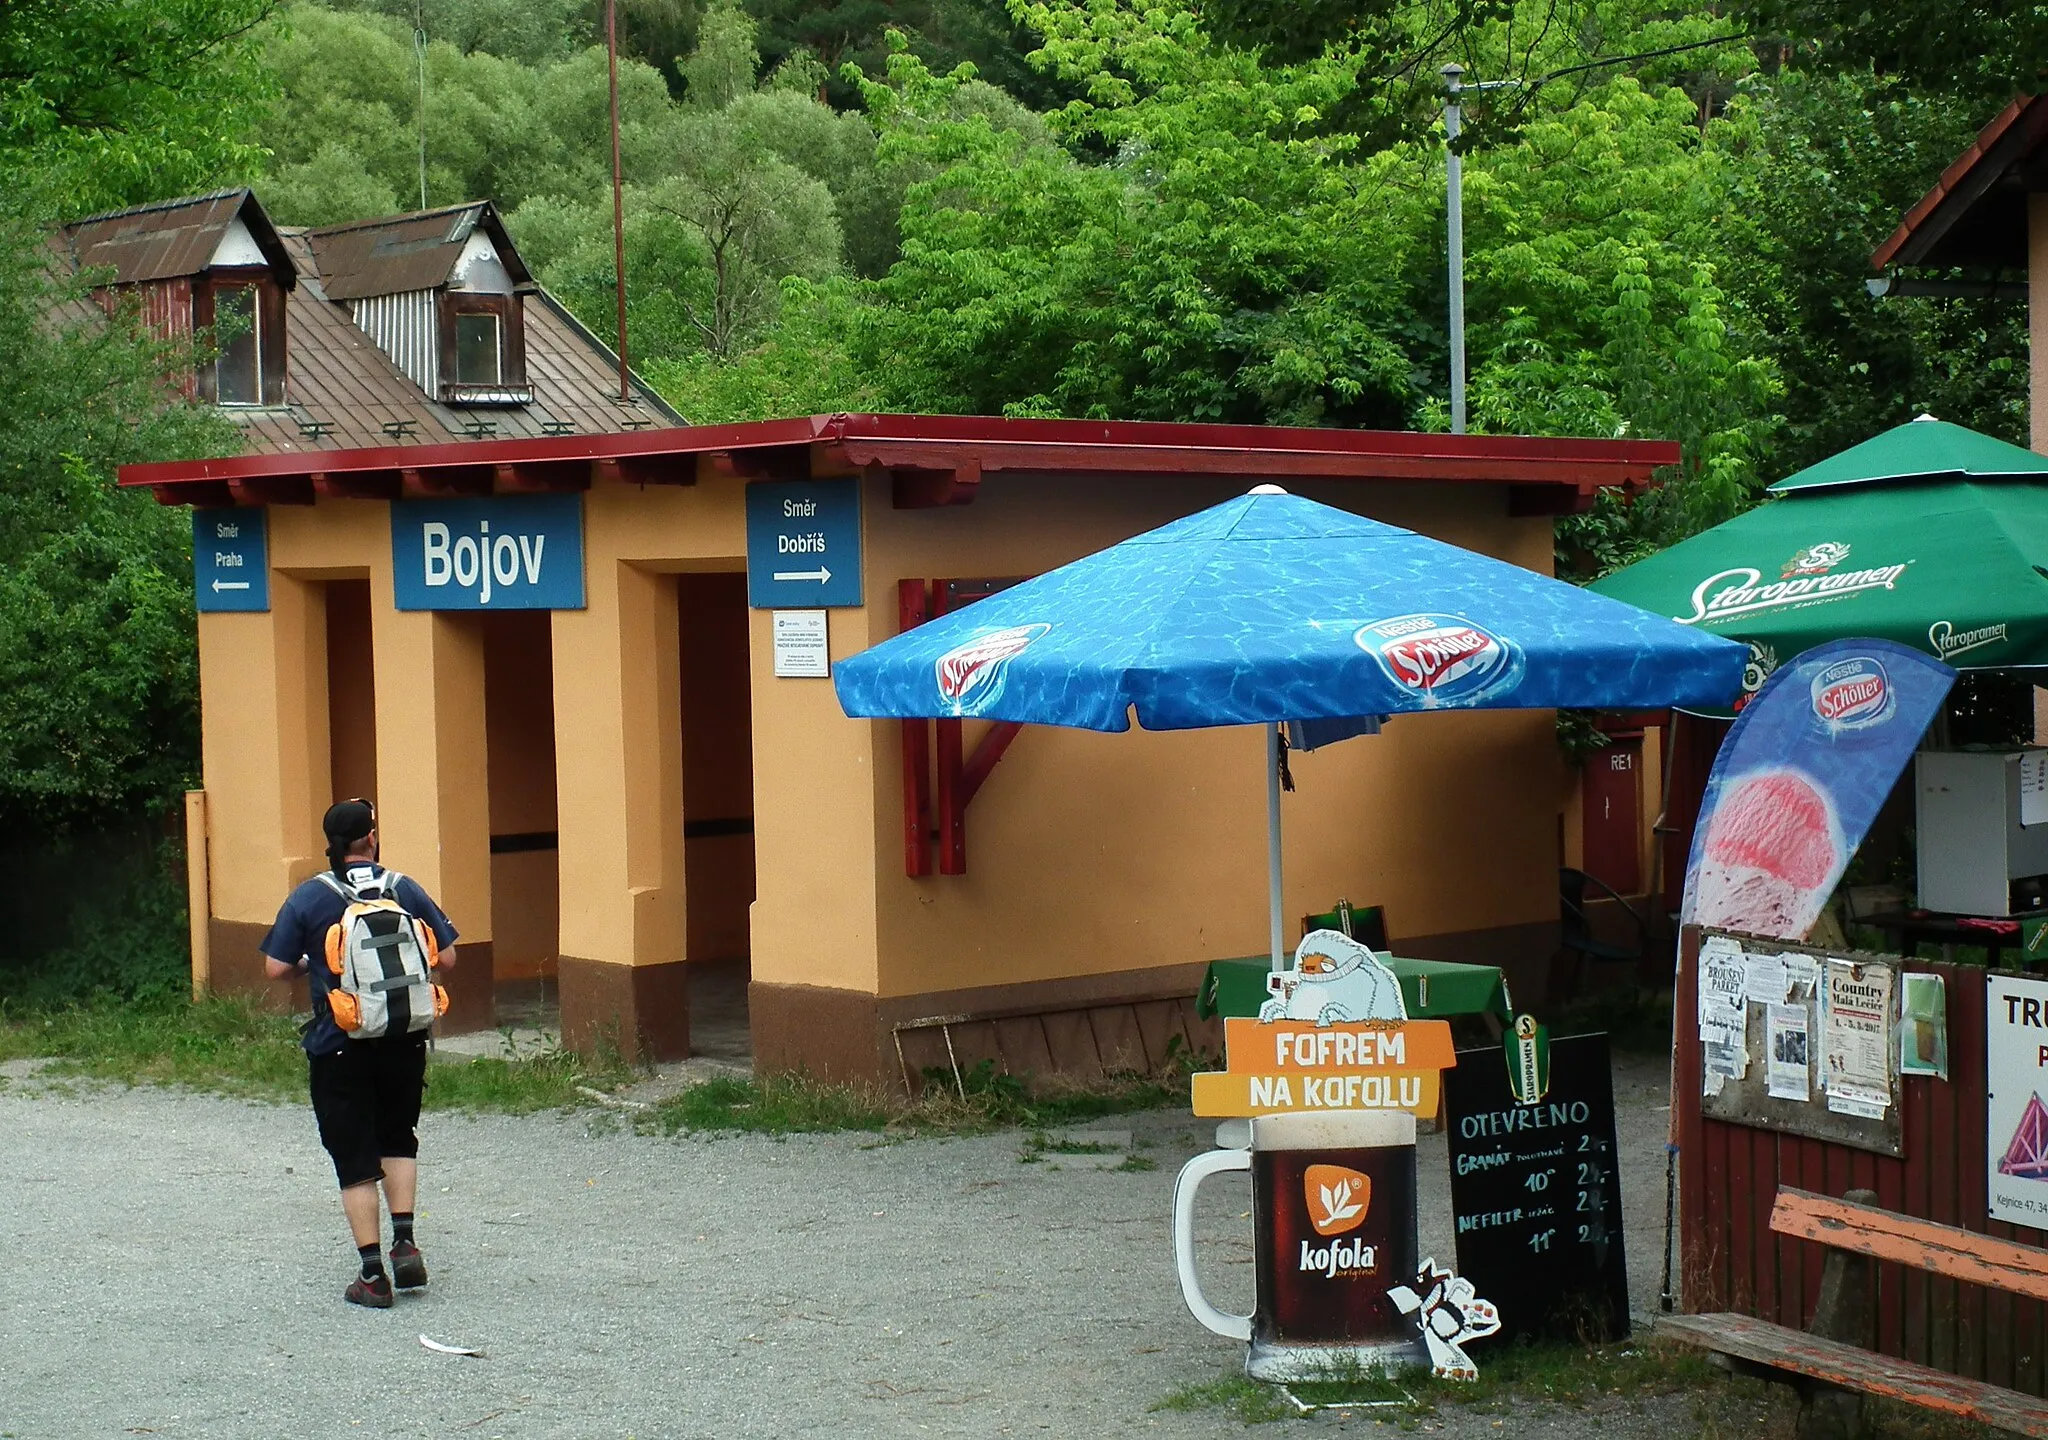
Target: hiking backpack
{"x": 382, "y": 958}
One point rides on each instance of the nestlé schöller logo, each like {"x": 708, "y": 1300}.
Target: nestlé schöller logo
{"x": 1446, "y": 659}
{"x": 970, "y": 676}
{"x": 1853, "y": 694}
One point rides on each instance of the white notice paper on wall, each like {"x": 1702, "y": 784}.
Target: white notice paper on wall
{"x": 801, "y": 648}
{"x": 2034, "y": 787}
{"x": 1788, "y": 1072}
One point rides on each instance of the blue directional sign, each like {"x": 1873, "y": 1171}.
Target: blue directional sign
{"x": 803, "y": 544}
{"x": 515, "y": 552}
{"x": 231, "y": 559}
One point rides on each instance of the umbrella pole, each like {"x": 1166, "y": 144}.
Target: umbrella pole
{"x": 1273, "y": 837}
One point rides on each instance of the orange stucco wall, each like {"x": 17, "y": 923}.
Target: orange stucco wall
{"x": 1090, "y": 853}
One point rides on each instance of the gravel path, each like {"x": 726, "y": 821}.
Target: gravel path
{"x": 172, "y": 1265}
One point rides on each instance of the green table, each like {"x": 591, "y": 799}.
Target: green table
{"x": 1432, "y": 989}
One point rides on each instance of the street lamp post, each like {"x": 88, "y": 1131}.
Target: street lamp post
{"x": 1454, "y": 181}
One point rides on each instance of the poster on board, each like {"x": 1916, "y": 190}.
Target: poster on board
{"x": 2016, "y": 1107}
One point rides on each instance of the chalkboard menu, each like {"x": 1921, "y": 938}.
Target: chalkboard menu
{"x": 1537, "y": 1193}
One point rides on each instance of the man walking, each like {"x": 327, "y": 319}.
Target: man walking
{"x": 366, "y": 1092}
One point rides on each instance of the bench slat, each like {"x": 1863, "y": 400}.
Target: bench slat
{"x": 1762, "y": 1343}
{"x": 1923, "y": 1244}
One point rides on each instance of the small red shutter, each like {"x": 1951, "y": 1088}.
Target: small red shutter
{"x": 270, "y": 317}
{"x": 202, "y": 321}
{"x": 515, "y": 342}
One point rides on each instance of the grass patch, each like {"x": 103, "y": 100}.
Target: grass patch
{"x": 1247, "y": 1399}
{"x": 793, "y": 1104}
{"x": 1521, "y": 1373}
{"x": 1560, "y": 1374}
{"x": 229, "y": 1045}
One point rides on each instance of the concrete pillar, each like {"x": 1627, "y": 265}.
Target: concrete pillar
{"x": 2037, "y": 323}
{"x": 263, "y": 690}
{"x": 433, "y": 799}
{"x": 619, "y": 768}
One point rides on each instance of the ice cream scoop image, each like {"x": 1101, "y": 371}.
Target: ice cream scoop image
{"x": 1770, "y": 857}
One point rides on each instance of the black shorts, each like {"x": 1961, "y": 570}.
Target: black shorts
{"x": 367, "y": 1100}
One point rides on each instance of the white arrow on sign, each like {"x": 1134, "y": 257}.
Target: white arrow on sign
{"x": 220, "y": 585}
{"x": 821, "y": 574}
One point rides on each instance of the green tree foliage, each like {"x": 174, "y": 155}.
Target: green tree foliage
{"x": 343, "y": 132}
{"x": 1982, "y": 49}
{"x": 108, "y": 102}
{"x": 98, "y": 698}
{"x": 1835, "y": 161}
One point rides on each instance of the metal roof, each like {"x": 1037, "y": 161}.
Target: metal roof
{"x": 172, "y": 238}
{"x": 343, "y": 393}
{"x": 1976, "y": 214}
{"x": 931, "y": 459}
{"x": 398, "y": 253}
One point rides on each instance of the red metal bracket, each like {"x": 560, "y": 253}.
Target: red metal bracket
{"x": 913, "y": 608}
{"x": 960, "y": 776}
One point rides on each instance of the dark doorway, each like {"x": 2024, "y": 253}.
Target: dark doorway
{"x": 718, "y": 807}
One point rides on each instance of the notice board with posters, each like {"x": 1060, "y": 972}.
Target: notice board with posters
{"x": 1801, "y": 1040}
{"x": 1536, "y": 1192}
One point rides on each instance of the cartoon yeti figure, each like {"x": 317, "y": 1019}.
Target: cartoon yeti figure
{"x": 1334, "y": 979}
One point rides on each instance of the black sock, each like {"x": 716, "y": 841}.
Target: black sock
{"x": 401, "y": 1228}
{"x": 373, "y": 1260}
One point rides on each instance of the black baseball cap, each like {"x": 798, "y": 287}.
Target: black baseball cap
{"x": 348, "y": 821}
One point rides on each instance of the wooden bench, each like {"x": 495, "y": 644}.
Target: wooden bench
{"x": 1821, "y": 1361}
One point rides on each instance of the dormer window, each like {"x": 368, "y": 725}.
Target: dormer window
{"x": 238, "y": 332}
{"x": 244, "y": 308}
{"x": 479, "y": 350}
{"x": 483, "y": 352}
{"x": 440, "y": 293}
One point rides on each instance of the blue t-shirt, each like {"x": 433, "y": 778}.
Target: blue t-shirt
{"x": 301, "y": 934}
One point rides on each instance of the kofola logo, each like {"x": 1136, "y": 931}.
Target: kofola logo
{"x": 1853, "y": 694}
{"x": 1808, "y": 578}
{"x": 1445, "y": 659}
{"x": 1338, "y": 1199}
{"x": 970, "y": 676}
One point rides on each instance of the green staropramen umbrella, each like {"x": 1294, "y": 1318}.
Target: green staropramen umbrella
{"x": 1929, "y": 534}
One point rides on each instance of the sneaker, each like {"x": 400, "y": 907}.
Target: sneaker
{"x": 374, "y": 1292}
{"x": 408, "y": 1268}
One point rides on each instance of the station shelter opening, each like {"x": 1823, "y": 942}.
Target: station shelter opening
{"x": 584, "y": 677}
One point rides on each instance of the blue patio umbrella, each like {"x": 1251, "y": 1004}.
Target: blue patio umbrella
{"x": 1273, "y": 608}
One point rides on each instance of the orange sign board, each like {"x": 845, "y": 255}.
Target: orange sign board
{"x": 1220, "y": 1093}
{"x": 1284, "y": 1065}
{"x": 1287, "y": 1046}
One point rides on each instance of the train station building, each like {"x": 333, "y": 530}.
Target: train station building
{"x": 584, "y": 678}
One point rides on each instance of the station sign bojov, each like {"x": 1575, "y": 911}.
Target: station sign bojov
{"x": 514, "y": 552}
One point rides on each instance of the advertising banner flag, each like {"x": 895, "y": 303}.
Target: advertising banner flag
{"x": 1799, "y": 779}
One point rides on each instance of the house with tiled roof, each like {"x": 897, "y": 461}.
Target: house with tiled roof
{"x": 406, "y": 330}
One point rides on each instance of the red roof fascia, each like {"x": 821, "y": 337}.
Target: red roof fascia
{"x": 1952, "y": 179}
{"x": 950, "y": 443}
